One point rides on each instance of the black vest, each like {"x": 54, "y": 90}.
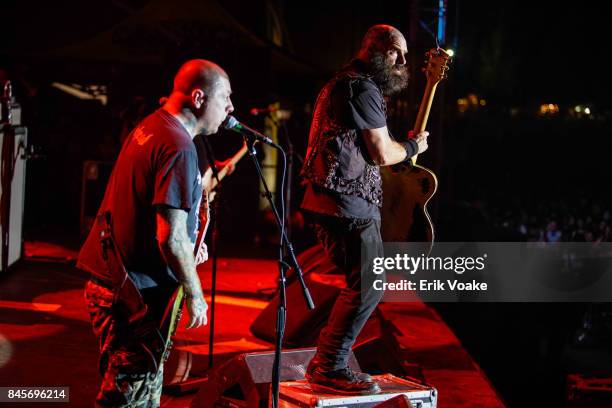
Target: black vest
{"x": 336, "y": 156}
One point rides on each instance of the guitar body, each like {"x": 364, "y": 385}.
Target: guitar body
{"x": 406, "y": 193}
{"x": 408, "y": 189}
{"x": 178, "y": 365}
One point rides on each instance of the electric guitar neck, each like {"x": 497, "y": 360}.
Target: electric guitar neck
{"x": 232, "y": 162}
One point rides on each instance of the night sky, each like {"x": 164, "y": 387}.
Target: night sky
{"x": 519, "y": 52}
{"x": 547, "y": 50}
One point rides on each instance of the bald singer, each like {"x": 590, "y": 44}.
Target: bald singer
{"x": 152, "y": 198}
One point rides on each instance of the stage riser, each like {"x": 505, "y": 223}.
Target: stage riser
{"x": 245, "y": 380}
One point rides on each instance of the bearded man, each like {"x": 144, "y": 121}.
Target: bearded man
{"x": 348, "y": 142}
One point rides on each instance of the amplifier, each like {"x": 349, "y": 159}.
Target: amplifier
{"x": 15, "y": 138}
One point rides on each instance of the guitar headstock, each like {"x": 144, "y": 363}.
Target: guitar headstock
{"x": 437, "y": 65}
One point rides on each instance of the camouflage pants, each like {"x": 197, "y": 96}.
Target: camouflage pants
{"x": 141, "y": 390}
{"x": 130, "y": 376}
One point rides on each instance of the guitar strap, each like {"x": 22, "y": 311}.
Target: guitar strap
{"x": 129, "y": 300}
{"x": 126, "y": 294}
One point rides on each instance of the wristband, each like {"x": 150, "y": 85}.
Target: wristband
{"x": 411, "y": 147}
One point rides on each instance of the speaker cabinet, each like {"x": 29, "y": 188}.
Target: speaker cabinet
{"x": 12, "y": 222}
{"x": 303, "y": 325}
{"x": 245, "y": 380}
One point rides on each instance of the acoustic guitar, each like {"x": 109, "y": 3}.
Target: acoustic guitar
{"x": 407, "y": 189}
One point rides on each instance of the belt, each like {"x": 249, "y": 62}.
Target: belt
{"x": 101, "y": 282}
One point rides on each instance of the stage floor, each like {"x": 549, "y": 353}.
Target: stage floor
{"x": 46, "y": 338}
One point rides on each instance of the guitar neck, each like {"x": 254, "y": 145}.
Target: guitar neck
{"x": 233, "y": 161}
{"x": 424, "y": 109}
{"x": 214, "y": 183}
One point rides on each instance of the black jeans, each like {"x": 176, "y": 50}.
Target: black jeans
{"x": 342, "y": 239}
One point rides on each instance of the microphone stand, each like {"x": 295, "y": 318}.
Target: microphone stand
{"x": 286, "y": 260}
{"x": 281, "y": 124}
{"x": 290, "y": 154}
{"x": 290, "y": 157}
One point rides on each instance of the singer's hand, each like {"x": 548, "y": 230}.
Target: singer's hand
{"x": 202, "y": 255}
{"x": 196, "y": 309}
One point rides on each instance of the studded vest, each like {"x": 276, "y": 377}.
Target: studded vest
{"x": 336, "y": 155}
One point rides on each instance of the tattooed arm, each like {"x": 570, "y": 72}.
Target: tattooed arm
{"x": 177, "y": 251}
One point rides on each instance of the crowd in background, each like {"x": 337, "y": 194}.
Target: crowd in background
{"x": 567, "y": 220}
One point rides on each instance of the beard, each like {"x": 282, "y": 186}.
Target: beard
{"x": 390, "y": 78}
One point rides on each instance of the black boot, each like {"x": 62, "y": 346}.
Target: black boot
{"x": 317, "y": 363}
{"x": 342, "y": 381}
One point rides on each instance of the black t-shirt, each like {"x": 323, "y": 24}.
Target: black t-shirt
{"x": 365, "y": 109}
{"x": 360, "y": 107}
{"x": 157, "y": 166}
{"x": 204, "y": 151}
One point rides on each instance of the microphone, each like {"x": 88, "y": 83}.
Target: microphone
{"x": 232, "y": 123}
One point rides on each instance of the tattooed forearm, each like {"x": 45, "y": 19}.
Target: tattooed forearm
{"x": 177, "y": 249}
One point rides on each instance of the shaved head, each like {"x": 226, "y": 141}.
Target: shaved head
{"x": 198, "y": 74}
{"x": 200, "y": 97}
{"x": 379, "y": 38}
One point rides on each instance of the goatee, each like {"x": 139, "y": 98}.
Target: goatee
{"x": 391, "y": 79}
